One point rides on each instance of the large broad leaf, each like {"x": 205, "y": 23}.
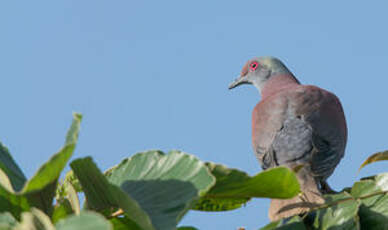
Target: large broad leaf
{"x": 380, "y": 156}
{"x": 165, "y": 186}
{"x": 341, "y": 213}
{"x": 40, "y": 189}
{"x": 159, "y": 189}
{"x": 374, "y": 207}
{"x": 104, "y": 196}
{"x": 234, "y": 188}
{"x": 85, "y": 221}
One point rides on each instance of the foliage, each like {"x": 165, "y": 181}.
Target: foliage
{"x": 380, "y": 156}
{"x": 234, "y": 188}
{"x": 153, "y": 191}
{"x": 364, "y": 206}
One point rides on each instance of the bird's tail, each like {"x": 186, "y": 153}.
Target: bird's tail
{"x": 309, "y": 198}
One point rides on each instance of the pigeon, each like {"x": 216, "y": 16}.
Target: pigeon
{"x": 294, "y": 125}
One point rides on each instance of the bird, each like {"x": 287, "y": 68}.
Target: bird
{"x": 294, "y": 124}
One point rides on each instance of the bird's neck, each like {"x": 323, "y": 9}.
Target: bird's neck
{"x": 277, "y": 83}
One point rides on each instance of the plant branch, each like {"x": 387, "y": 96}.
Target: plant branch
{"x": 348, "y": 199}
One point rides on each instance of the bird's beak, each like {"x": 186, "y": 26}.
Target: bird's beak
{"x": 239, "y": 81}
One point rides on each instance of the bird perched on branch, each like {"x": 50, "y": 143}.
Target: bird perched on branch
{"x": 294, "y": 124}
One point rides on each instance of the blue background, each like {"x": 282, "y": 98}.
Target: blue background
{"x": 154, "y": 75}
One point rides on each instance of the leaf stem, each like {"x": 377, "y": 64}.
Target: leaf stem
{"x": 348, "y": 199}
{"x": 117, "y": 213}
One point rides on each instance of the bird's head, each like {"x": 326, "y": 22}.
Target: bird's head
{"x": 258, "y": 71}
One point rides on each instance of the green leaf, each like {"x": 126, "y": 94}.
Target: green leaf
{"x": 164, "y": 185}
{"x": 86, "y": 221}
{"x": 292, "y": 223}
{"x": 101, "y": 195}
{"x": 380, "y": 156}
{"x": 374, "y": 209}
{"x": 7, "y": 221}
{"x": 341, "y": 216}
{"x": 39, "y": 191}
{"x": 11, "y": 169}
{"x": 123, "y": 223}
{"x": 234, "y": 188}
{"x": 35, "y": 220}
{"x": 153, "y": 189}
{"x": 51, "y": 170}
{"x": 365, "y": 187}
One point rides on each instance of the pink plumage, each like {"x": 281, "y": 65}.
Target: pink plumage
{"x": 295, "y": 124}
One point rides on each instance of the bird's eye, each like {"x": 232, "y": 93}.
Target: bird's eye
{"x": 253, "y": 66}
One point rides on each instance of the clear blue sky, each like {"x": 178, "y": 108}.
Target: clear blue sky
{"x": 155, "y": 76}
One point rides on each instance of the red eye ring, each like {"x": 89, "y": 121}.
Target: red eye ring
{"x": 253, "y": 66}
